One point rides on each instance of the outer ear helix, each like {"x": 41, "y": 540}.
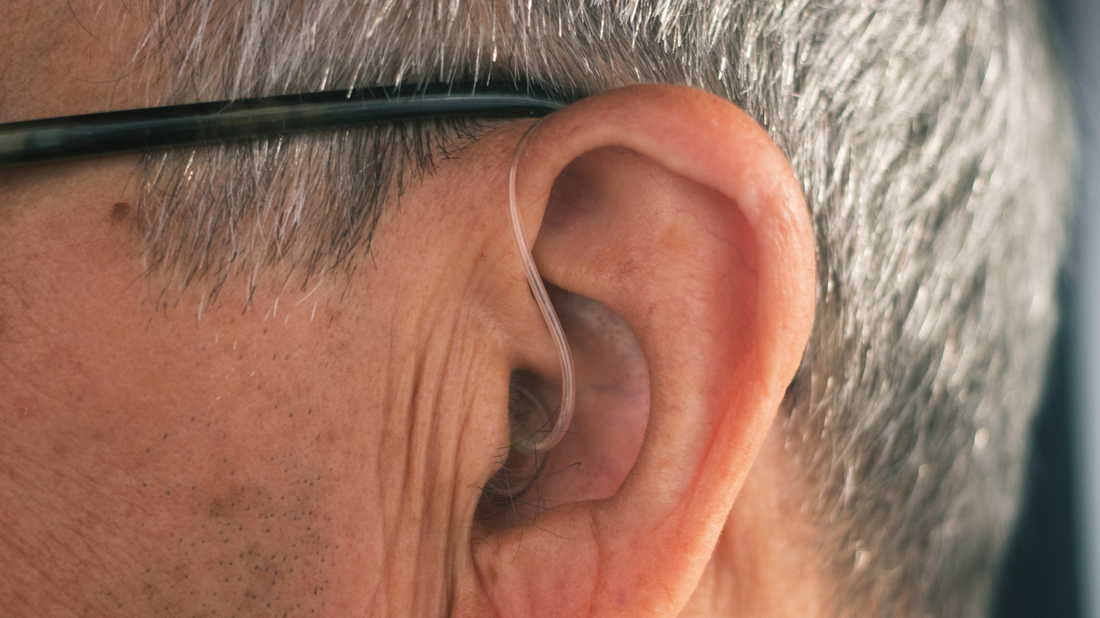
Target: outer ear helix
{"x": 532, "y": 443}
{"x": 683, "y": 219}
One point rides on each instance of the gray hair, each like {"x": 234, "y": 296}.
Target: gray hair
{"x": 932, "y": 140}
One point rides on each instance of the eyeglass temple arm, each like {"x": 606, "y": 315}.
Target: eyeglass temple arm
{"x": 160, "y": 128}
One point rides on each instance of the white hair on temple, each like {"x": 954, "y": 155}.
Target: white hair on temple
{"x": 931, "y": 138}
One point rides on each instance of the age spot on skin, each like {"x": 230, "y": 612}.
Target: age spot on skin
{"x": 120, "y": 212}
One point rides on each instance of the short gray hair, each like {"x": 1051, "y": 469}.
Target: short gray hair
{"x": 932, "y": 141}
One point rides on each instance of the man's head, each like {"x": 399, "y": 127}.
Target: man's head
{"x": 275, "y": 375}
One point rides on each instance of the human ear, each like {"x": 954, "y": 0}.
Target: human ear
{"x": 675, "y": 211}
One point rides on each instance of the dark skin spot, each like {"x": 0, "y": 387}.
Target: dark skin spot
{"x": 120, "y": 212}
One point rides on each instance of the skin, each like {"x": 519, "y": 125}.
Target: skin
{"x": 322, "y": 452}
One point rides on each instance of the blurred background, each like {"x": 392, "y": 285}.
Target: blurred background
{"x": 1053, "y": 567}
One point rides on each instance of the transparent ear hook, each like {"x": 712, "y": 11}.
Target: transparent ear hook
{"x": 568, "y": 393}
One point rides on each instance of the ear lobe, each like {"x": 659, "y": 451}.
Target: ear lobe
{"x": 674, "y": 209}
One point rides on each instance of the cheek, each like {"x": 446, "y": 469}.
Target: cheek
{"x": 195, "y": 462}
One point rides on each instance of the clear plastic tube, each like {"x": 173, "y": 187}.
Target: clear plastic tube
{"x": 568, "y": 394}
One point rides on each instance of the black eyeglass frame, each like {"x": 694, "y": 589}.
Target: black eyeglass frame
{"x": 87, "y": 136}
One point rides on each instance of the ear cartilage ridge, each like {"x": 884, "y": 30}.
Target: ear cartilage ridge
{"x": 565, "y": 411}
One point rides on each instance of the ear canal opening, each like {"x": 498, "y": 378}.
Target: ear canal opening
{"x": 606, "y": 432}
{"x": 511, "y": 495}
{"x": 540, "y": 440}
